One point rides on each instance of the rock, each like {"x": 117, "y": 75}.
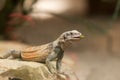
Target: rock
{"x": 23, "y": 70}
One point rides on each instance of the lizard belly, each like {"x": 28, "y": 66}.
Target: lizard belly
{"x": 39, "y": 56}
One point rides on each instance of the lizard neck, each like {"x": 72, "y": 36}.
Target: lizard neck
{"x": 63, "y": 44}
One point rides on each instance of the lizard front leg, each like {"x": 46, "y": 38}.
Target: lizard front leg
{"x": 52, "y": 56}
{"x": 58, "y": 64}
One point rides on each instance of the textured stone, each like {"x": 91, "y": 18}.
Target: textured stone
{"x": 23, "y": 70}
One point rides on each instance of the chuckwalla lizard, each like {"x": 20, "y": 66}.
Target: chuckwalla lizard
{"x": 47, "y": 52}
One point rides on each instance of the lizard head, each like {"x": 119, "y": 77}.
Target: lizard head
{"x": 72, "y": 35}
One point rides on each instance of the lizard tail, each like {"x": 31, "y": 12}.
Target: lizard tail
{"x": 5, "y": 55}
{"x": 11, "y": 53}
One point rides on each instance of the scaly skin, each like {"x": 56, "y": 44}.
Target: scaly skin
{"x": 48, "y": 52}
{"x": 37, "y": 53}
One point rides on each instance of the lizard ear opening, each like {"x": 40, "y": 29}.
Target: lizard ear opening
{"x": 62, "y": 40}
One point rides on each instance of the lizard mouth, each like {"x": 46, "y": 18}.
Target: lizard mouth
{"x": 78, "y": 37}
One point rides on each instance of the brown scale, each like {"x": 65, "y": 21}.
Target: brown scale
{"x": 37, "y": 53}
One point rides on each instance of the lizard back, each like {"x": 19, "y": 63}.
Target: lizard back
{"x": 37, "y": 53}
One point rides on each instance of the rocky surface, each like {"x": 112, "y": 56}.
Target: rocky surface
{"x": 23, "y": 70}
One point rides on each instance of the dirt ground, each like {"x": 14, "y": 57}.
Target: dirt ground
{"x": 98, "y": 67}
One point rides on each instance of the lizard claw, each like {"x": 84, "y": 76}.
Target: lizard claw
{"x": 60, "y": 72}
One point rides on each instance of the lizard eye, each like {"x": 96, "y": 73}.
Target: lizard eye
{"x": 67, "y": 34}
{"x": 71, "y": 33}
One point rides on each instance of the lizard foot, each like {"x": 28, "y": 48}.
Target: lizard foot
{"x": 52, "y": 69}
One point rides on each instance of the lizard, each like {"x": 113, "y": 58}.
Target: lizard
{"x": 47, "y": 52}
